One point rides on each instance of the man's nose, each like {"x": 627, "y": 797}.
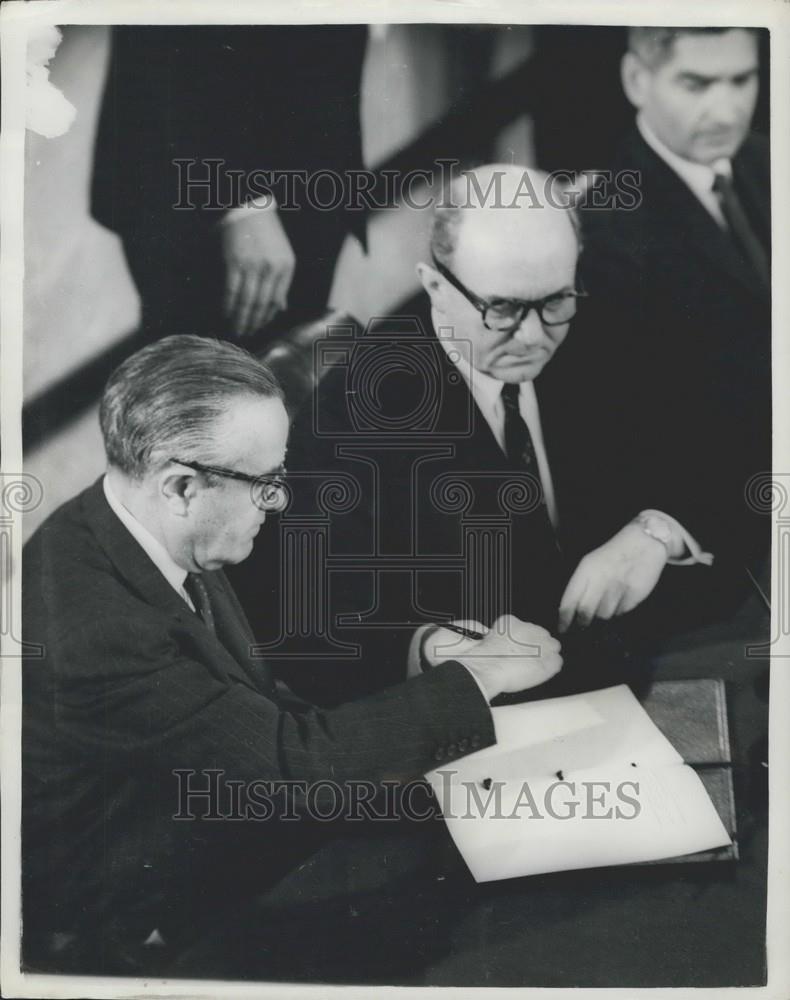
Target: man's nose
{"x": 530, "y": 330}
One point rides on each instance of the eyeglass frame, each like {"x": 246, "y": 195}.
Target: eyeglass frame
{"x": 527, "y": 305}
{"x": 277, "y": 482}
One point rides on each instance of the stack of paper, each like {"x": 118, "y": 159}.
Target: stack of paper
{"x": 576, "y": 782}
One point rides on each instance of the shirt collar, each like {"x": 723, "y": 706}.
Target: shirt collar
{"x": 486, "y": 391}
{"x": 698, "y": 176}
{"x": 483, "y": 386}
{"x": 152, "y": 547}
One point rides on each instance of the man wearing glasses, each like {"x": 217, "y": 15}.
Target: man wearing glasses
{"x": 141, "y": 679}
{"x": 505, "y": 474}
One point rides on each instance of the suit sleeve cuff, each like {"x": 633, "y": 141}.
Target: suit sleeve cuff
{"x": 265, "y": 203}
{"x": 470, "y": 722}
{"x": 417, "y": 664}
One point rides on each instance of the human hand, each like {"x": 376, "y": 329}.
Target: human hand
{"x": 259, "y": 267}
{"x": 613, "y": 578}
{"x": 512, "y": 656}
{"x": 439, "y": 643}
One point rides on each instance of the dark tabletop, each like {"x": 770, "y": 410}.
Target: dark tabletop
{"x": 398, "y": 906}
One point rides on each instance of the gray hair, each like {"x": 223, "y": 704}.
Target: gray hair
{"x": 166, "y": 401}
{"x": 654, "y": 45}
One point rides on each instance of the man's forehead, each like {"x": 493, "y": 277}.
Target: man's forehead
{"x": 729, "y": 52}
{"x": 534, "y": 241}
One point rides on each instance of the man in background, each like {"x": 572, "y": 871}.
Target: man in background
{"x": 678, "y": 332}
{"x": 199, "y": 116}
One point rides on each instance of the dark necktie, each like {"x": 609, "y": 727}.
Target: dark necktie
{"x": 196, "y": 588}
{"x": 518, "y": 441}
{"x": 519, "y": 448}
{"x": 740, "y": 227}
{"x": 535, "y": 542}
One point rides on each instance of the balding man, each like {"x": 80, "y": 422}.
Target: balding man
{"x": 482, "y": 474}
{"x": 679, "y": 289}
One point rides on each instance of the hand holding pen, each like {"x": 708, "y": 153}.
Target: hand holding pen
{"x": 510, "y": 656}
{"x": 468, "y": 633}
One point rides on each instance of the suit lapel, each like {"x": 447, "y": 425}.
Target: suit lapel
{"x": 482, "y": 450}
{"x": 462, "y": 419}
{"x": 533, "y": 590}
{"x": 754, "y": 186}
{"x": 668, "y": 195}
{"x": 145, "y": 580}
{"x": 233, "y": 629}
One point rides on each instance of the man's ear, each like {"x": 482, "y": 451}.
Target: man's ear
{"x": 635, "y": 77}
{"x": 178, "y": 489}
{"x": 434, "y": 285}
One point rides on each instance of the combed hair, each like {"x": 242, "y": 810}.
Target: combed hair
{"x": 166, "y": 400}
{"x": 654, "y": 45}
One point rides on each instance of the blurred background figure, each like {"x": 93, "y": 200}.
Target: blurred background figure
{"x": 190, "y": 114}
{"x": 679, "y": 285}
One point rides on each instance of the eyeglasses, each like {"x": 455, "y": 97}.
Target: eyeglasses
{"x": 506, "y": 315}
{"x": 267, "y": 492}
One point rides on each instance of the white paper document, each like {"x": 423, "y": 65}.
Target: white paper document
{"x": 576, "y": 782}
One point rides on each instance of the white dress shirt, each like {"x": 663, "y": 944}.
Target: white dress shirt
{"x": 698, "y": 177}
{"x": 152, "y": 547}
{"x": 487, "y": 394}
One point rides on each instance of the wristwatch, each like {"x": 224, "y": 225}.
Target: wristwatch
{"x": 656, "y": 527}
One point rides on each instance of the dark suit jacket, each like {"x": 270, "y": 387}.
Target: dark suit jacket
{"x": 443, "y": 526}
{"x": 677, "y": 336}
{"x": 258, "y": 98}
{"x": 133, "y": 686}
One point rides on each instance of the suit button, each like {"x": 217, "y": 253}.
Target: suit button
{"x": 475, "y": 740}
{"x": 451, "y": 749}
{"x": 463, "y": 745}
{"x": 440, "y": 753}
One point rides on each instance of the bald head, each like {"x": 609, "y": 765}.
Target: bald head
{"x": 500, "y": 206}
{"x": 502, "y": 232}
